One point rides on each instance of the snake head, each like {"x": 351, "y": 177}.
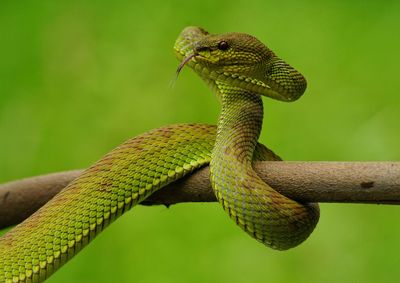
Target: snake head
{"x": 240, "y": 60}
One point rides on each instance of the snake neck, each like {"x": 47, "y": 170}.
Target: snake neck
{"x": 239, "y": 126}
{"x": 258, "y": 209}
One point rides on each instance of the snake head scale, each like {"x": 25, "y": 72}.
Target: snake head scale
{"x": 240, "y": 60}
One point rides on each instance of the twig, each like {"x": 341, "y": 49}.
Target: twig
{"x": 350, "y": 182}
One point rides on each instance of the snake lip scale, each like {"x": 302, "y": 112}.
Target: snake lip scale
{"x": 239, "y": 69}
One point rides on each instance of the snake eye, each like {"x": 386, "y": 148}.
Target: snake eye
{"x": 223, "y": 45}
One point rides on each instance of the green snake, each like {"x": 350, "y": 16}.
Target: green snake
{"x": 239, "y": 69}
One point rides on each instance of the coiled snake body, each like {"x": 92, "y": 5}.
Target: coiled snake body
{"x": 239, "y": 69}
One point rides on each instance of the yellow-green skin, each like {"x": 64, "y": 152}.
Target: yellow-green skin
{"x": 33, "y": 250}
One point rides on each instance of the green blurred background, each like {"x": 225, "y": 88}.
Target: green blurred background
{"x": 79, "y": 77}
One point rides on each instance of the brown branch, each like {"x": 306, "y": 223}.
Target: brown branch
{"x": 351, "y": 182}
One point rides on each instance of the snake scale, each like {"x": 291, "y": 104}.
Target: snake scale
{"x": 239, "y": 69}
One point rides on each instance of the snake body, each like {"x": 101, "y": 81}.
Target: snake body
{"x": 239, "y": 69}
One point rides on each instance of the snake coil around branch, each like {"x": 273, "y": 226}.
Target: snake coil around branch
{"x": 341, "y": 182}
{"x": 239, "y": 69}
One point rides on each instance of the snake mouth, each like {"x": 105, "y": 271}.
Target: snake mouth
{"x": 185, "y": 46}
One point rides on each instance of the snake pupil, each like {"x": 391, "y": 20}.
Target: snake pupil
{"x": 223, "y": 45}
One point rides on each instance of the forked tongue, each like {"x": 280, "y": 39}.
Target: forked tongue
{"x": 180, "y": 67}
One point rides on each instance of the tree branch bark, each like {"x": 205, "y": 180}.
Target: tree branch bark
{"x": 349, "y": 182}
